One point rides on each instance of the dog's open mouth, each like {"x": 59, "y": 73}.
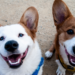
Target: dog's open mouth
{"x": 15, "y": 60}
{"x": 71, "y": 58}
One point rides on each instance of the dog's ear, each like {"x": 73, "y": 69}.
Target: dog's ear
{"x": 30, "y": 18}
{"x": 60, "y": 12}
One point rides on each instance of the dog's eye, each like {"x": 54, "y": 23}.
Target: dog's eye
{"x": 70, "y": 31}
{"x": 2, "y": 38}
{"x": 20, "y": 35}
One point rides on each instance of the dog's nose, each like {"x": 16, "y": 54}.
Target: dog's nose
{"x": 11, "y": 46}
{"x": 74, "y": 49}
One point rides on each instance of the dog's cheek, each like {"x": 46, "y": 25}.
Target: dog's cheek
{"x": 65, "y": 42}
{"x": 62, "y": 38}
{"x": 3, "y": 51}
{"x": 69, "y": 45}
{"x": 24, "y": 43}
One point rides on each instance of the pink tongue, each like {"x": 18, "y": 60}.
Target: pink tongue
{"x": 73, "y": 58}
{"x": 14, "y": 58}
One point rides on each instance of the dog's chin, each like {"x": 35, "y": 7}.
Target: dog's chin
{"x": 70, "y": 58}
{"x": 15, "y": 60}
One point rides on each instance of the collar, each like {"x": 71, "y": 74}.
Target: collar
{"x": 68, "y": 67}
{"x": 38, "y": 68}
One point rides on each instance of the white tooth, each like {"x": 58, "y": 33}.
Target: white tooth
{"x": 72, "y": 61}
{"x": 14, "y": 62}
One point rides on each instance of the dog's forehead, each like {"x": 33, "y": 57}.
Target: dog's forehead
{"x": 13, "y": 28}
{"x": 69, "y": 23}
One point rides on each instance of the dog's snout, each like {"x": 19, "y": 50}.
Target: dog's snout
{"x": 74, "y": 49}
{"x": 11, "y": 46}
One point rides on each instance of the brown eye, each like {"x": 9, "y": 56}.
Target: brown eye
{"x": 20, "y": 35}
{"x": 70, "y": 32}
{"x": 2, "y": 38}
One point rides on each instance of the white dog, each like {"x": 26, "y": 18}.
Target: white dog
{"x": 19, "y": 50}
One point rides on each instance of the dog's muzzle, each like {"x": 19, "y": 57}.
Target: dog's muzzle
{"x": 14, "y": 60}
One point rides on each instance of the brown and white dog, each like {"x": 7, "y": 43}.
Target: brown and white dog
{"x": 64, "y": 43}
{"x": 20, "y": 53}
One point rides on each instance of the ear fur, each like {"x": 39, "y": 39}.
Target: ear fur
{"x": 60, "y": 12}
{"x": 30, "y": 18}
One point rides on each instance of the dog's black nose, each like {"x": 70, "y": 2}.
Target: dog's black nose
{"x": 74, "y": 49}
{"x": 11, "y": 46}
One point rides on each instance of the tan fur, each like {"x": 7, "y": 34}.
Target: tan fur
{"x": 68, "y": 22}
{"x": 64, "y": 22}
{"x": 32, "y": 13}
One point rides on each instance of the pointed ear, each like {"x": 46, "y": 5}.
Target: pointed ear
{"x": 30, "y": 18}
{"x": 60, "y": 12}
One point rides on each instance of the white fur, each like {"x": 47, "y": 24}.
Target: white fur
{"x": 11, "y": 32}
{"x": 63, "y": 54}
{"x": 69, "y": 45}
{"x": 60, "y": 70}
{"x": 33, "y": 57}
{"x": 48, "y": 54}
{"x": 41, "y": 70}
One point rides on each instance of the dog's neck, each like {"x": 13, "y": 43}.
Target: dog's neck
{"x": 29, "y": 65}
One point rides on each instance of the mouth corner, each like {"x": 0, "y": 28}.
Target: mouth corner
{"x": 70, "y": 58}
{"x": 15, "y": 60}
